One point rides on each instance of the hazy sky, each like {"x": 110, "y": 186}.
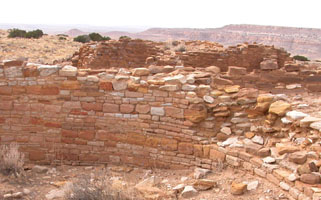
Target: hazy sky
{"x": 163, "y": 13}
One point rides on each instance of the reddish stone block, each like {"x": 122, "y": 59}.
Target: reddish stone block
{"x": 21, "y": 107}
{"x": 50, "y": 90}
{"x": 69, "y": 133}
{"x": 86, "y": 135}
{"x": 185, "y": 148}
{"x": 22, "y": 139}
{"x": 110, "y": 108}
{"x": 5, "y": 90}
{"x": 105, "y": 85}
{"x": 174, "y": 112}
{"x": 52, "y": 108}
{"x": 127, "y": 108}
{"x": 92, "y": 106}
{"x": 143, "y": 109}
{"x": 6, "y": 105}
{"x": 2, "y": 120}
{"x": 80, "y": 141}
{"x": 30, "y": 71}
{"x": 53, "y": 124}
{"x": 136, "y": 138}
{"x": 36, "y": 139}
{"x": 70, "y": 156}
{"x": 18, "y": 90}
{"x": 130, "y": 94}
{"x": 88, "y": 157}
{"x": 34, "y": 89}
{"x": 37, "y": 155}
{"x": 67, "y": 140}
{"x": 198, "y": 150}
{"x": 70, "y": 85}
{"x": 36, "y": 121}
{"x": 78, "y": 112}
{"x": 217, "y": 155}
{"x": 169, "y": 144}
{"x": 13, "y": 63}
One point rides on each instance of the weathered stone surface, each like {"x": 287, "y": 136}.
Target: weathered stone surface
{"x": 68, "y": 71}
{"x": 298, "y": 157}
{"x": 287, "y": 149}
{"x": 236, "y": 71}
{"x": 140, "y": 72}
{"x": 306, "y": 121}
{"x": 213, "y": 69}
{"x": 159, "y": 111}
{"x": 47, "y": 70}
{"x": 310, "y": 178}
{"x": 232, "y": 89}
{"x": 196, "y": 113}
{"x": 279, "y": 108}
{"x": 201, "y": 173}
{"x": 316, "y": 125}
{"x": 238, "y": 188}
{"x": 119, "y": 85}
{"x": 269, "y": 64}
{"x": 226, "y": 130}
{"x": 189, "y": 192}
{"x": 295, "y": 115}
{"x": 204, "y": 184}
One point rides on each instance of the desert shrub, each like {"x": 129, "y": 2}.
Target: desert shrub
{"x": 300, "y": 58}
{"x": 175, "y": 43}
{"x": 98, "y": 37}
{"x": 11, "y": 160}
{"x": 62, "y": 35}
{"x": 34, "y": 34}
{"x": 181, "y": 48}
{"x": 86, "y": 188}
{"x": 82, "y": 38}
{"x": 124, "y": 37}
{"x": 62, "y": 38}
{"x": 13, "y": 33}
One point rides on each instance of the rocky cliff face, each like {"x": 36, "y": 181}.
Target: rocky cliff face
{"x": 302, "y": 41}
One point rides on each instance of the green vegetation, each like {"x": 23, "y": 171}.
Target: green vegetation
{"x": 300, "y": 58}
{"x": 98, "y": 37}
{"x": 91, "y": 37}
{"x": 124, "y": 37}
{"x": 82, "y": 38}
{"x": 14, "y": 33}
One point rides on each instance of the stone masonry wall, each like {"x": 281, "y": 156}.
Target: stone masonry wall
{"x": 168, "y": 120}
{"x": 140, "y": 53}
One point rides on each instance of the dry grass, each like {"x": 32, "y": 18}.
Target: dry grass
{"x": 11, "y": 160}
{"x": 96, "y": 187}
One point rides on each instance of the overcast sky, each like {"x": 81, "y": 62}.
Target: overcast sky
{"x": 163, "y": 13}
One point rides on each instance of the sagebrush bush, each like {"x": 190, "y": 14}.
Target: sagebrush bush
{"x": 300, "y": 58}
{"x": 97, "y": 37}
{"x": 34, "y": 34}
{"x": 13, "y": 33}
{"x": 11, "y": 160}
{"x": 82, "y": 38}
{"x": 124, "y": 37}
{"x": 86, "y": 188}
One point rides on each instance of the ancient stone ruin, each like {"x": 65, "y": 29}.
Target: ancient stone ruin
{"x": 133, "y": 102}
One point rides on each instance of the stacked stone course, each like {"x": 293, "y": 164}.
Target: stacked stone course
{"x": 166, "y": 117}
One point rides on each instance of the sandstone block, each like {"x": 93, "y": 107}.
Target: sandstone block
{"x": 185, "y": 148}
{"x": 140, "y": 72}
{"x": 68, "y": 71}
{"x": 196, "y": 113}
{"x": 279, "y": 108}
{"x": 310, "y": 178}
{"x": 110, "y": 108}
{"x": 269, "y": 64}
{"x": 238, "y": 188}
{"x": 142, "y": 108}
{"x": 236, "y": 71}
{"x": 127, "y": 108}
{"x": 159, "y": 111}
